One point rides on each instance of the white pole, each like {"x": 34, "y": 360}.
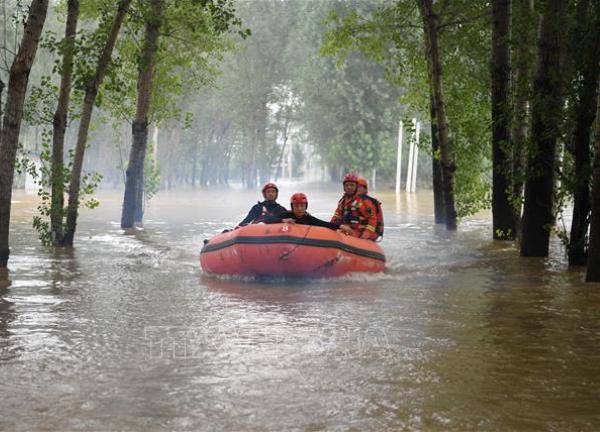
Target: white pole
{"x": 290, "y": 161}
{"x": 374, "y": 179}
{"x": 399, "y": 158}
{"x": 155, "y": 145}
{"x": 413, "y": 184}
{"x": 411, "y": 152}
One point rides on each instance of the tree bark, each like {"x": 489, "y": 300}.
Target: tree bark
{"x": 546, "y": 113}
{"x": 89, "y": 99}
{"x": 9, "y": 138}
{"x": 134, "y": 185}
{"x": 1, "y": 90}
{"x": 593, "y": 261}
{"x": 586, "y": 53}
{"x": 60, "y": 124}
{"x": 436, "y": 168}
{"x": 504, "y": 222}
{"x": 430, "y": 24}
{"x": 523, "y": 25}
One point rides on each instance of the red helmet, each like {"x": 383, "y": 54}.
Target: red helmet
{"x": 298, "y": 198}
{"x": 362, "y": 182}
{"x": 269, "y": 186}
{"x": 350, "y": 177}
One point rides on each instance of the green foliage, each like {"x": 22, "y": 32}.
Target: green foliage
{"x": 349, "y": 109}
{"x": 151, "y": 174}
{"x": 255, "y": 101}
{"x": 193, "y": 40}
{"x": 194, "y": 34}
{"x": 391, "y": 35}
{"x": 42, "y": 176}
{"x": 40, "y": 105}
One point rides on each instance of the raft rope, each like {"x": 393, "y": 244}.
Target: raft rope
{"x": 285, "y": 255}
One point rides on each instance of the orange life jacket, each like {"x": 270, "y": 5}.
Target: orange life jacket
{"x": 379, "y": 228}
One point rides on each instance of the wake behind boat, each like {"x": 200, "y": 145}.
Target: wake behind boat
{"x": 284, "y": 249}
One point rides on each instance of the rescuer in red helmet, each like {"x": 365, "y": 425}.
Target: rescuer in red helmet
{"x": 370, "y": 214}
{"x": 350, "y": 183}
{"x": 265, "y": 209}
{"x": 343, "y": 210}
{"x": 362, "y": 186}
{"x": 353, "y": 210}
{"x": 299, "y": 215}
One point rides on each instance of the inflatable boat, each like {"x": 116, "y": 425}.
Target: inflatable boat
{"x": 289, "y": 250}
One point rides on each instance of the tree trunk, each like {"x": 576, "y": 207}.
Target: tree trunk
{"x": 86, "y": 116}
{"x": 546, "y": 113}
{"x": 9, "y": 138}
{"x": 593, "y": 261}
{"x": 195, "y": 151}
{"x": 436, "y": 168}
{"x": 224, "y": 175}
{"x": 138, "y": 215}
{"x": 523, "y": 25}
{"x": 430, "y": 22}
{"x": 585, "y": 49}
{"x": 281, "y": 153}
{"x": 134, "y": 185}
{"x": 1, "y": 90}
{"x": 60, "y": 124}
{"x": 504, "y": 223}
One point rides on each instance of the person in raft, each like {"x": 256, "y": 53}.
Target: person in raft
{"x": 359, "y": 213}
{"x": 299, "y": 215}
{"x": 265, "y": 209}
{"x": 362, "y": 190}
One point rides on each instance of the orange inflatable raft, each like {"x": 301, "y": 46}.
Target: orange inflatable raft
{"x": 289, "y": 250}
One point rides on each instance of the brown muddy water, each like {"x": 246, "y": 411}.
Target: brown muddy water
{"x": 124, "y": 332}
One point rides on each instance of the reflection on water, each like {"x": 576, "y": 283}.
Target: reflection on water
{"x": 124, "y": 332}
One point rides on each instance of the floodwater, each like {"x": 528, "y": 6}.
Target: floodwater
{"x": 124, "y": 332}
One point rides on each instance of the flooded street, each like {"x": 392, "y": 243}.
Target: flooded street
{"x": 124, "y": 332}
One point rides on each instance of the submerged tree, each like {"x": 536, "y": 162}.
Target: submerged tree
{"x": 177, "y": 35}
{"x": 92, "y": 87}
{"x": 431, "y": 28}
{"x": 584, "y": 50}
{"x": 504, "y": 222}
{"x": 546, "y": 114}
{"x": 60, "y": 124}
{"x": 132, "y": 201}
{"x": 395, "y": 35}
{"x": 13, "y": 114}
{"x": 593, "y": 262}
{"x": 523, "y": 26}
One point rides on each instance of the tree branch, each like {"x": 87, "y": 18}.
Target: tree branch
{"x": 133, "y": 37}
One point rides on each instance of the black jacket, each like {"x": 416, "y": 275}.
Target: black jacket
{"x": 307, "y": 219}
{"x": 263, "y": 210}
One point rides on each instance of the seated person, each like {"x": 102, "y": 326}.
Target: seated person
{"x": 265, "y": 209}
{"x": 345, "y": 204}
{"x": 355, "y": 210}
{"x": 371, "y": 206}
{"x": 299, "y": 215}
